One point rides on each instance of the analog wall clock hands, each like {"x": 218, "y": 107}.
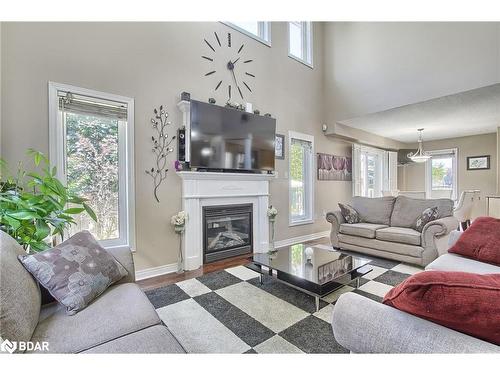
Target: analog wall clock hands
{"x": 236, "y": 72}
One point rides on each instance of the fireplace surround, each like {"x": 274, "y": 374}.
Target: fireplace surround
{"x": 212, "y": 189}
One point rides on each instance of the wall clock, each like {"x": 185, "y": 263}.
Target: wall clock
{"x": 227, "y": 64}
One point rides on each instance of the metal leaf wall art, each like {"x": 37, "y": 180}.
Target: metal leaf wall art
{"x": 161, "y": 148}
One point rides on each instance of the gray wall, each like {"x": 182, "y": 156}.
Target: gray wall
{"x": 153, "y": 63}
{"x": 374, "y": 66}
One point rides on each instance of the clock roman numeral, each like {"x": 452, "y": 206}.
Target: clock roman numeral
{"x": 208, "y": 44}
{"x": 241, "y": 48}
{"x": 209, "y": 73}
{"x": 249, "y": 74}
{"x": 216, "y": 87}
{"x": 229, "y": 89}
{"x": 229, "y": 39}
{"x": 248, "y": 87}
{"x": 240, "y": 92}
{"x": 207, "y": 58}
{"x": 218, "y": 40}
{"x": 247, "y": 61}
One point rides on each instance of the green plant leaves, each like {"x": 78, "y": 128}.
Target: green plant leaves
{"x": 32, "y": 205}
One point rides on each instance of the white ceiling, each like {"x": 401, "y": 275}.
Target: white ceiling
{"x": 466, "y": 113}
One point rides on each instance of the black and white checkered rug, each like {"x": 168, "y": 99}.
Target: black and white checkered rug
{"x": 230, "y": 312}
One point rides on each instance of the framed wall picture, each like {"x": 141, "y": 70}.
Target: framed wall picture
{"x": 478, "y": 162}
{"x": 334, "y": 168}
{"x": 279, "y": 146}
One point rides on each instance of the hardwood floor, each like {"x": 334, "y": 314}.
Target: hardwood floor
{"x": 172, "y": 278}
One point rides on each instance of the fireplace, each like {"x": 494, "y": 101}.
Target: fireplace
{"x": 227, "y": 231}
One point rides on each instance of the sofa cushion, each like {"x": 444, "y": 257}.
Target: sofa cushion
{"x": 402, "y": 235}
{"x": 481, "y": 241}
{"x": 349, "y": 214}
{"x": 366, "y": 230}
{"x": 76, "y": 271}
{"x": 465, "y": 302}
{"x": 20, "y": 298}
{"x": 374, "y": 210}
{"x": 407, "y": 210}
{"x": 155, "y": 339}
{"x": 120, "y": 310}
{"x": 457, "y": 263}
{"x": 386, "y": 246}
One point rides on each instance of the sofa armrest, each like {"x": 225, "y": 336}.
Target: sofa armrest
{"x": 362, "y": 325}
{"x": 335, "y": 218}
{"x": 436, "y": 233}
{"x": 124, "y": 256}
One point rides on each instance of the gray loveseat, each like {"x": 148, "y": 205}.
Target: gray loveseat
{"x": 365, "y": 326}
{"x": 386, "y": 229}
{"x": 121, "y": 320}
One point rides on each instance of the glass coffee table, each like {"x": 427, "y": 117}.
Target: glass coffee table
{"x": 317, "y": 272}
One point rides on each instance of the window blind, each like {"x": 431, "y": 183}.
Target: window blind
{"x": 87, "y": 105}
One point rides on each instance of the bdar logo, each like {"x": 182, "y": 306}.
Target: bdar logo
{"x": 8, "y": 346}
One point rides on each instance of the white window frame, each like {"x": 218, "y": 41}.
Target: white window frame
{"x": 264, "y": 35}
{"x": 309, "y": 179}
{"x": 428, "y": 171}
{"x": 126, "y": 187}
{"x": 307, "y": 44}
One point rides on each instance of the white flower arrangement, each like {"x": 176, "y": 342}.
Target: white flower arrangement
{"x": 272, "y": 213}
{"x": 178, "y": 221}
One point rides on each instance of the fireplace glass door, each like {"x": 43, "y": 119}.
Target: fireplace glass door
{"x": 227, "y": 231}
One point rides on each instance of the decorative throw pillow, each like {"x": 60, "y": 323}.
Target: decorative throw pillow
{"x": 481, "y": 241}
{"x": 350, "y": 214}
{"x": 429, "y": 214}
{"x": 75, "y": 272}
{"x": 465, "y": 302}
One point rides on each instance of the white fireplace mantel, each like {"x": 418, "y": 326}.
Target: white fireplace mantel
{"x": 200, "y": 189}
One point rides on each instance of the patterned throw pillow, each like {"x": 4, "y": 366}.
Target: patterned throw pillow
{"x": 429, "y": 214}
{"x": 350, "y": 214}
{"x": 75, "y": 272}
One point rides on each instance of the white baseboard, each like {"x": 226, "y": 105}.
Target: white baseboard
{"x": 307, "y": 237}
{"x": 155, "y": 271}
{"x": 169, "y": 268}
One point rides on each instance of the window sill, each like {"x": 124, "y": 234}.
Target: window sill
{"x": 303, "y": 62}
{"x": 300, "y": 222}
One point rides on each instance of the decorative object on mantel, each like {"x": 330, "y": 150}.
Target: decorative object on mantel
{"x": 185, "y": 96}
{"x": 256, "y": 112}
{"x": 271, "y": 214}
{"x": 475, "y": 163}
{"x": 211, "y": 100}
{"x": 178, "y": 166}
{"x": 419, "y": 156}
{"x": 178, "y": 221}
{"x": 334, "y": 168}
{"x": 234, "y": 105}
{"x": 267, "y": 114}
{"x": 161, "y": 148}
{"x": 279, "y": 147}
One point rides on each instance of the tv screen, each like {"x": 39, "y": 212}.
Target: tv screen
{"x": 226, "y": 138}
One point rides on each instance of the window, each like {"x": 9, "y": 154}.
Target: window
{"x": 301, "y": 182}
{"x": 91, "y": 145}
{"x": 258, "y": 30}
{"x": 300, "y": 41}
{"x": 441, "y": 174}
{"x": 374, "y": 171}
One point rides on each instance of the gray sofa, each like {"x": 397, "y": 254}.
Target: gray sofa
{"x": 121, "y": 320}
{"x": 386, "y": 229}
{"x": 364, "y": 326}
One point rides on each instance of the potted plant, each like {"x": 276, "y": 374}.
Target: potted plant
{"x": 34, "y": 206}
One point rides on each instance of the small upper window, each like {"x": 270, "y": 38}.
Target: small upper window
{"x": 258, "y": 30}
{"x": 300, "y": 41}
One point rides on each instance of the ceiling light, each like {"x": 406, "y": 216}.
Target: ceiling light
{"x": 419, "y": 156}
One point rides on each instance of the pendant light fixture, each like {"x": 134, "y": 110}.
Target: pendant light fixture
{"x": 419, "y": 156}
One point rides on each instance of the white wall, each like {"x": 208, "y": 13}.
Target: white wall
{"x": 370, "y": 67}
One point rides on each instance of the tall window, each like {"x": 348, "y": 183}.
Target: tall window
{"x": 91, "y": 146}
{"x": 258, "y": 30}
{"x": 300, "y": 41}
{"x": 441, "y": 174}
{"x": 301, "y": 180}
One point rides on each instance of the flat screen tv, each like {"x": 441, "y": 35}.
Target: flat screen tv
{"x": 228, "y": 139}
